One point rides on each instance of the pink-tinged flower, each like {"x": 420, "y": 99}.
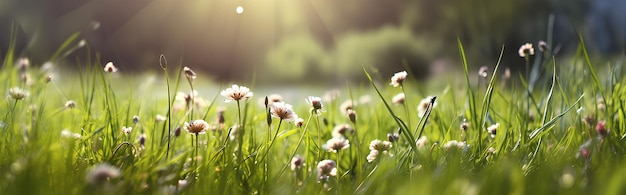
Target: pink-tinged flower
{"x": 398, "y": 78}
{"x": 336, "y": 144}
{"x": 380, "y": 145}
{"x": 601, "y": 128}
{"x": 526, "y": 50}
{"x": 236, "y": 93}
{"x": 326, "y": 169}
{"x": 197, "y": 127}
{"x": 283, "y": 111}
{"x": 109, "y": 67}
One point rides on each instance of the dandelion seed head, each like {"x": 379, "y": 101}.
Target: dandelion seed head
{"x": 109, "y": 67}
{"x": 526, "y": 50}
{"x": 236, "y": 93}
{"x": 196, "y": 127}
{"x": 398, "y": 78}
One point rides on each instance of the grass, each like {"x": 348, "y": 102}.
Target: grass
{"x": 548, "y": 139}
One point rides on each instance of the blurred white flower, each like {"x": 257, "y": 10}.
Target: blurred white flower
{"x": 398, "y": 78}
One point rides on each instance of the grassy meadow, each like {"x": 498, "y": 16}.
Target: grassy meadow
{"x": 98, "y": 130}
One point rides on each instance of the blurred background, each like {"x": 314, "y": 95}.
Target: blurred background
{"x": 308, "y": 40}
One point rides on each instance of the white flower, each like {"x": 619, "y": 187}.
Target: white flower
{"x": 283, "y": 111}
{"x": 341, "y": 130}
{"x": 380, "y": 145}
{"x": 102, "y": 173}
{"x": 421, "y": 142}
{"x": 236, "y": 93}
{"x": 372, "y": 156}
{"x": 453, "y": 144}
{"x": 336, "y": 144}
{"x": 299, "y": 122}
{"x": 160, "y": 118}
{"x": 296, "y": 162}
{"x": 346, "y": 105}
{"x": 127, "y": 130}
{"x": 398, "y": 98}
{"x": 17, "y": 93}
{"x": 70, "y": 104}
{"x": 190, "y": 74}
{"x": 423, "y": 105}
{"x": 493, "y": 129}
{"x": 398, "y": 78}
{"x": 197, "y": 127}
{"x": 326, "y": 169}
{"x": 526, "y": 50}
{"x": 109, "y": 67}
{"x": 68, "y": 134}
{"x": 316, "y": 103}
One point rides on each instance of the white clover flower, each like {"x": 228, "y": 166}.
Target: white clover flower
{"x": 423, "y": 105}
{"x": 197, "y": 127}
{"x": 526, "y": 50}
{"x": 326, "y": 169}
{"x": 236, "y": 93}
{"x": 110, "y": 68}
{"x": 336, "y": 144}
{"x": 398, "y": 98}
{"x": 283, "y": 111}
{"x": 398, "y": 78}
